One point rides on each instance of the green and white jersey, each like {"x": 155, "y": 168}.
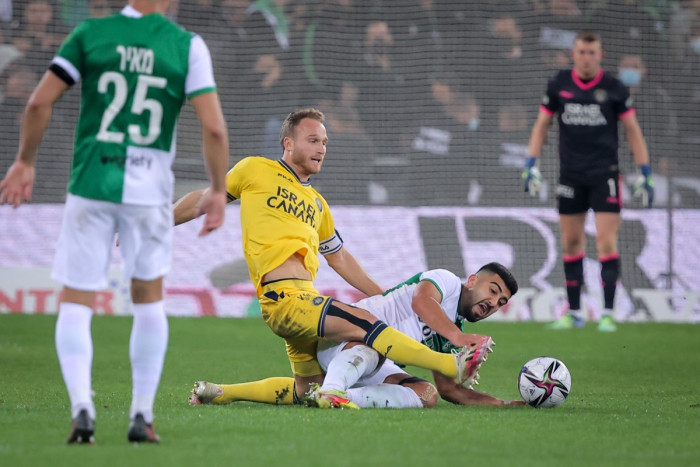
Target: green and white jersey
{"x": 136, "y": 72}
{"x": 395, "y": 309}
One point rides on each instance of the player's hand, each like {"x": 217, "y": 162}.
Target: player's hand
{"x": 18, "y": 184}
{"x": 514, "y": 403}
{"x": 644, "y": 186}
{"x": 213, "y": 205}
{"x": 532, "y": 177}
{"x": 472, "y": 340}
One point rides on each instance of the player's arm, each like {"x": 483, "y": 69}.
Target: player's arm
{"x": 453, "y": 392}
{"x": 531, "y": 175}
{"x": 426, "y": 304}
{"x": 644, "y": 185}
{"x": 540, "y": 130}
{"x": 215, "y": 145}
{"x": 19, "y": 181}
{"x": 635, "y": 139}
{"x": 347, "y": 266}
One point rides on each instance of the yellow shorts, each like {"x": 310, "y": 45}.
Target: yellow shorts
{"x": 295, "y": 311}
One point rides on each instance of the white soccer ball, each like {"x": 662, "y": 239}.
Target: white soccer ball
{"x": 544, "y": 382}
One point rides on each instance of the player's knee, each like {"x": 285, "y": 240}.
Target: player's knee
{"x": 364, "y": 355}
{"x": 427, "y": 393}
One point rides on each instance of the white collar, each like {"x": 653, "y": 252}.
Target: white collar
{"x": 131, "y": 12}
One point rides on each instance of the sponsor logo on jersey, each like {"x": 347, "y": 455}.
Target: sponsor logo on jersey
{"x": 289, "y": 179}
{"x": 319, "y": 205}
{"x": 566, "y": 94}
{"x": 291, "y": 203}
{"x": 583, "y": 115}
{"x": 564, "y": 191}
{"x": 600, "y": 95}
{"x": 317, "y": 301}
{"x": 117, "y": 160}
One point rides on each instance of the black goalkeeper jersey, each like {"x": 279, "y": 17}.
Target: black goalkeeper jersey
{"x": 587, "y": 113}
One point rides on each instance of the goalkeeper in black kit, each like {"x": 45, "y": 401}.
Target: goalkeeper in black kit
{"x": 588, "y": 103}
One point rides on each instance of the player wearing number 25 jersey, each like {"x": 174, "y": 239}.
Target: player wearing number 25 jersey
{"x": 136, "y": 69}
{"x": 133, "y": 87}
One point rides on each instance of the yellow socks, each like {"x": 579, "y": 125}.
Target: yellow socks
{"x": 278, "y": 391}
{"x": 402, "y": 349}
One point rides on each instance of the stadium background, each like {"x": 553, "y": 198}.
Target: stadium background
{"x": 429, "y": 106}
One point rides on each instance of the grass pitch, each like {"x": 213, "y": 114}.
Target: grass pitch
{"x": 634, "y": 401}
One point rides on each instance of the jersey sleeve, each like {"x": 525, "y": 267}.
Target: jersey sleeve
{"x": 624, "y": 104}
{"x": 68, "y": 64}
{"x": 446, "y": 282}
{"x": 329, "y": 238}
{"x": 200, "y": 72}
{"x": 239, "y": 177}
{"x": 550, "y": 101}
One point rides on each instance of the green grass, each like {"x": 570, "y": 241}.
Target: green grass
{"x": 634, "y": 401}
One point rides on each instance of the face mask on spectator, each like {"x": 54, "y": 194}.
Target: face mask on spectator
{"x": 695, "y": 44}
{"x": 630, "y": 76}
{"x": 473, "y": 124}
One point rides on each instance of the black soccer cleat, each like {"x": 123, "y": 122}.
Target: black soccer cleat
{"x": 142, "y": 432}
{"x": 82, "y": 429}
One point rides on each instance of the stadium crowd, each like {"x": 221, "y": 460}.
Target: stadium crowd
{"x": 427, "y": 101}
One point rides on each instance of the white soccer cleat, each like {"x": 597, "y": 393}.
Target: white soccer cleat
{"x": 469, "y": 360}
{"x": 205, "y": 392}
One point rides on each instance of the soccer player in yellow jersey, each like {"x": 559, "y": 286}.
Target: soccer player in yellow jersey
{"x": 285, "y": 224}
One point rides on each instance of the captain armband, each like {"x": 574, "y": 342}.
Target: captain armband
{"x": 331, "y": 245}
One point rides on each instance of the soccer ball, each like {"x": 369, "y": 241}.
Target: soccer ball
{"x": 544, "y": 382}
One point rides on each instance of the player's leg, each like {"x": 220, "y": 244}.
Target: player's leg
{"x": 344, "y": 364}
{"x": 145, "y": 237}
{"x": 294, "y": 309}
{"x": 74, "y": 349}
{"x": 275, "y": 390}
{"x": 81, "y": 264}
{"x": 572, "y": 200}
{"x": 606, "y": 202}
{"x": 342, "y": 322}
{"x": 348, "y": 363}
{"x": 392, "y": 388}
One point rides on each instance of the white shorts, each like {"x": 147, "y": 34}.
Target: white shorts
{"x": 327, "y": 350}
{"x": 87, "y": 236}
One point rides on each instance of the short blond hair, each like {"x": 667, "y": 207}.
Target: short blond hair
{"x": 292, "y": 121}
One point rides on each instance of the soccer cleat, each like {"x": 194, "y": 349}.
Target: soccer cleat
{"x": 205, "y": 392}
{"x": 82, "y": 429}
{"x": 330, "y": 398}
{"x": 142, "y": 432}
{"x": 568, "y": 321}
{"x": 469, "y": 360}
{"x": 607, "y": 324}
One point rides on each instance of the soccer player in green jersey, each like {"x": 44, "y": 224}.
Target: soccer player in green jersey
{"x": 136, "y": 68}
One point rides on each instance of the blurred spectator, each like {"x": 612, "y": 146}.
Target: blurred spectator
{"x": 631, "y": 26}
{"x": 349, "y": 148}
{"x": 39, "y": 34}
{"x": 6, "y": 10}
{"x": 445, "y": 151}
{"x": 18, "y": 83}
{"x": 332, "y": 49}
{"x": 684, "y": 13}
{"x": 657, "y": 117}
{"x": 383, "y": 96}
{"x": 8, "y": 52}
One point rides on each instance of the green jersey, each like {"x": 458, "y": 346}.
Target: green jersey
{"x": 136, "y": 72}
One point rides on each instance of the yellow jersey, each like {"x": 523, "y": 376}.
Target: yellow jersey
{"x": 280, "y": 216}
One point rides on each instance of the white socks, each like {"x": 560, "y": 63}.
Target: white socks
{"x": 149, "y": 341}
{"x": 349, "y": 366}
{"x": 385, "y": 396}
{"x": 74, "y": 348}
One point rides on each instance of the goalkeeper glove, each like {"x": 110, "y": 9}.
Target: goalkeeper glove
{"x": 644, "y": 186}
{"x": 532, "y": 177}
